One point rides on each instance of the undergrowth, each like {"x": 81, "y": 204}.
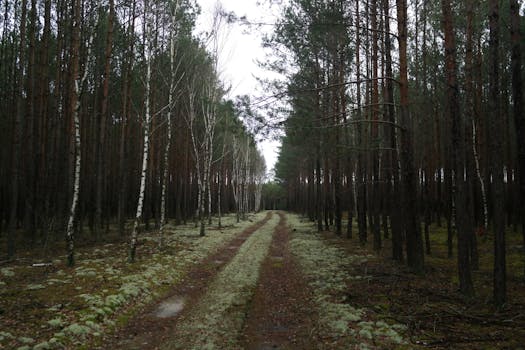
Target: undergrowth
{"x": 327, "y": 270}
{"x": 54, "y": 306}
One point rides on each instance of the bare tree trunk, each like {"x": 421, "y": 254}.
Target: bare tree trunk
{"x": 391, "y": 166}
{"x": 126, "y": 92}
{"x": 147, "y": 120}
{"x": 30, "y": 177}
{"x": 519, "y": 114}
{"x": 103, "y": 122}
{"x": 75, "y": 101}
{"x": 471, "y": 160}
{"x": 375, "y": 198}
{"x": 360, "y": 174}
{"x": 171, "y": 103}
{"x": 458, "y": 154}
{"x": 497, "y": 150}
{"x": 414, "y": 243}
{"x": 15, "y": 167}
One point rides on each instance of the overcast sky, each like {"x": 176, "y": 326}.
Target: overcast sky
{"x": 239, "y": 51}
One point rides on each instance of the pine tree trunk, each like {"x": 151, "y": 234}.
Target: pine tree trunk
{"x": 519, "y": 113}
{"x": 500, "y": 271}
{"x": 392, "y": 185}
{"x": 414, "y": 242}
{"x": 458, "y": 155}
{"x": 15, "y": 167}
{"x": 376, "y": 197}
{"x": 102, "y": 127}
{"x": 126, "y": 101}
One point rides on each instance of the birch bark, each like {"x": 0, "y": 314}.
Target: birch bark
{"x": 171, "y": 102}
{"x": 147, "y": 120}
{"x": 75, "y": 104}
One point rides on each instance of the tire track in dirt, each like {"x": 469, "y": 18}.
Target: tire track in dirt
{"x": 281, "y": 315}
{"x": 216, "y": 320}
{"x": 152, "y": 327}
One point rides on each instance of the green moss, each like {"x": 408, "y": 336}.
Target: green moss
{"x": 5, "y": 335}
{"x": 77, "y": 330}
{"x": 7, "y": 272}
{"x": 326, "y": 267}
{"x": 365, "y": 333}
{"x": 218, "y": 317}
{"x": 56, "y": 322}
{"x": 26, "y": 340}
{"x": 35, "y": 286}
{"x": 103, "y": 284}
{"x": 43, "y": 346}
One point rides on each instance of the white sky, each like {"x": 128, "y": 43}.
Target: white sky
{"x": 238, "y": 53}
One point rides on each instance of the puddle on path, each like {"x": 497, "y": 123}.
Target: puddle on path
{"x": 170, "y": 307}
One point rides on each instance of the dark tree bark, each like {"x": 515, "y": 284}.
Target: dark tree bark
{"x": 391, "y": 167}
{"x": 497, "y": 150}
{"x": 126, "y": 106}
{"x": 470, "y": 157}
{"x": 375, "y": 198}
{"x": 414, "y": 242}
{"x": 519, "y": 113}
{"x": 360, "y": 173}
{"x": 30, "y": 125}
{"x": 458, "y": 153}
{"x": 15, "y": 167}
{"x": 101, "y": 168}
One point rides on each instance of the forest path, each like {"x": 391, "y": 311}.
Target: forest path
{"x": 277, "y": 285}
{"x": 154, "y": 326}
{"x": 282, "y": 314}
{"x": 249, "y": 295}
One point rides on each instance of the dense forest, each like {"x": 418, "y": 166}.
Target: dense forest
{"x": 136, "y": 209}
{"x": 114, "y": 111}
{"x": 403, "y": 115}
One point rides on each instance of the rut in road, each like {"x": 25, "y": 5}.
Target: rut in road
{"x": 216, "y": 320}
{"x": 282, "y": 314}
{"x": 154, "y": 326}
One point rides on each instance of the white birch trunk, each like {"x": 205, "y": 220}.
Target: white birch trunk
{"x": 76, "y": 185}
{"x": 246, "y": 179}
{"x": 236, "y": 178}
{"x": 168, "y": 119}
{"x": 219, "y": 179}
{"x": 78, "y": 87}
{"x": 196, "y": 149}
{"x": 143, "y": 176}
{"x": 480, "y": 178}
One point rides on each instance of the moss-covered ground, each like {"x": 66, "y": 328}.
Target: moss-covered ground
{"x": 329, "y": 269}
{"x": 435, "y": 315}
{"x": 356, "y": 298}
{"x": 52, "y": 306}
{"x": 216, "y": 320}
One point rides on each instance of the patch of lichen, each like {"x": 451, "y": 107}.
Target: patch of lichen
{"x": 66, "y": 307}
{"x": 431, "y": 305}
{"x": 327, "y": 270}
{"x": 216, "y": 320}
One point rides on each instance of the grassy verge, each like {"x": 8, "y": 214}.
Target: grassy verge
{"x": 53, "y": 306}
{"x": 327, "y": 270}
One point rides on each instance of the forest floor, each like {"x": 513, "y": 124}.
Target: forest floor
{"x": 270, "y": 282}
